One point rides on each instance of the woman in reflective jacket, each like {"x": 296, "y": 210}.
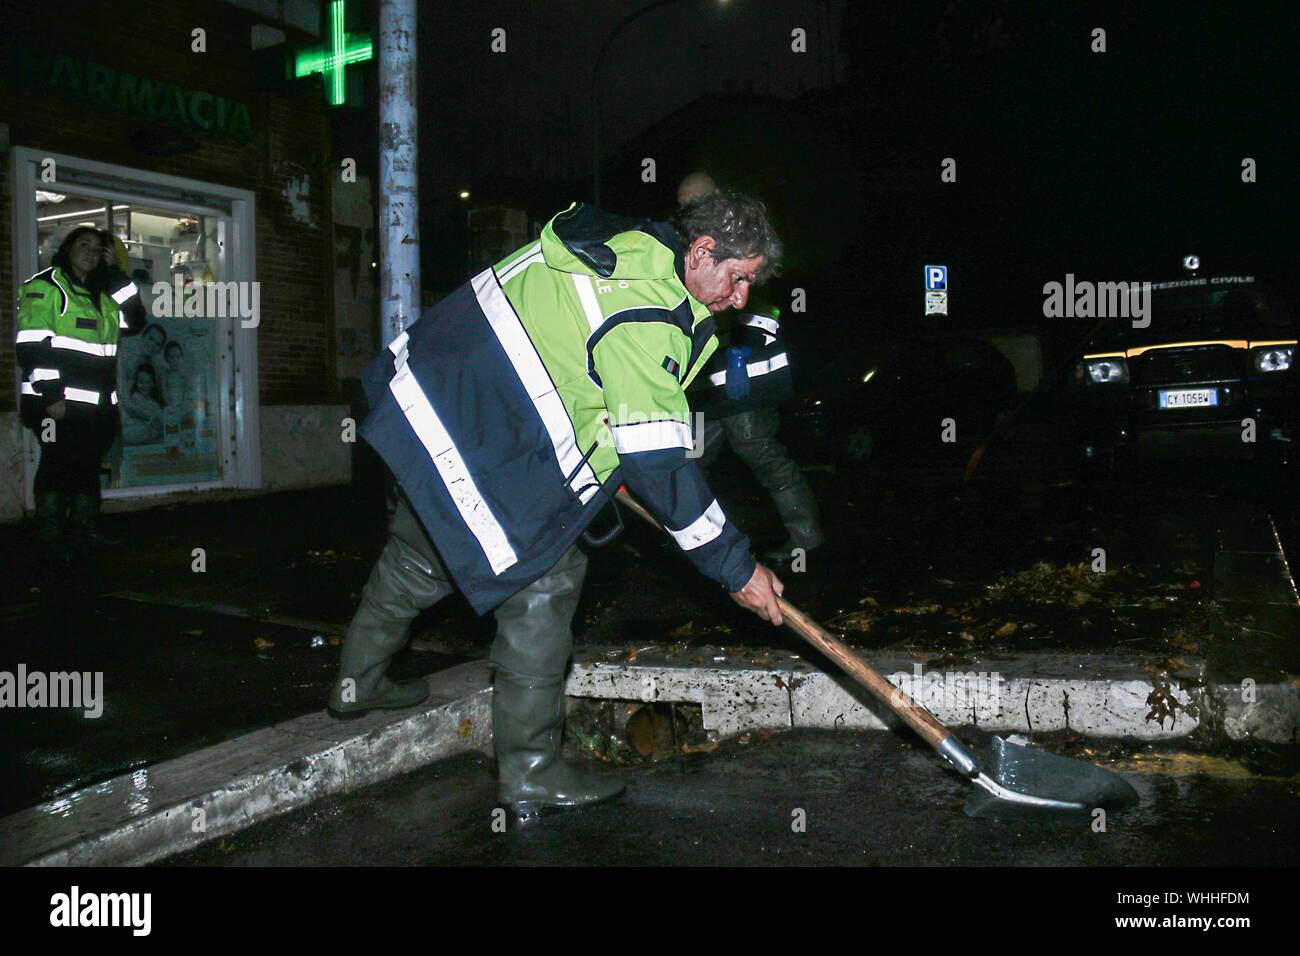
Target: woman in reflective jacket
{"x": 70, "y": 318}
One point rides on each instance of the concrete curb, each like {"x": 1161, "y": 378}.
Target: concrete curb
{"x": 148, "y": 814}
{"x": 1098, "y": 695}
{"x": 145, "y": 815}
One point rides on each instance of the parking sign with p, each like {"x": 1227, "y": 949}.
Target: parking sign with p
{"x": 936, "y": 278}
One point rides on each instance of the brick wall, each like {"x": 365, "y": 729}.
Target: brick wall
{"x": 289, "y": 149}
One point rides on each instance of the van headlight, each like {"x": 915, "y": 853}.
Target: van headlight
{"x": 1103, "y": 371}
{"x": 1273, "y": 358}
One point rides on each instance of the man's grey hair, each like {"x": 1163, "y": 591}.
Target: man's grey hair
{"x": 739, "y": 226}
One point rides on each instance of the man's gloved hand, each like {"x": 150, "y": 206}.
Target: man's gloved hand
{"x": 760, "y": 593}
{"x": 737, "y": 386}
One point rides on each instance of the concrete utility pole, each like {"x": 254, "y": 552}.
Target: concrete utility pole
{"x": 399, "y": 199}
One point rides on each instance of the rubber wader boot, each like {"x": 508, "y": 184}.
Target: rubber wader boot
{"x": 530, "y": 656}
{"x": 83, "y": 530}
{"x": 48, "y": 520}
{"x": 797, "y": 507}
{"x": 406, "y": 579}
{"x": 85, "y": 525}
{"x": 54, "y": 572}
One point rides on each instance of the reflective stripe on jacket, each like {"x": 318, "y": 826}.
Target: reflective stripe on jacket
{"x": 768, "y": 365}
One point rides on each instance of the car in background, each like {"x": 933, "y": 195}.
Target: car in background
{"x": 1211, "y": 376}
{"x": 885, "y": 404}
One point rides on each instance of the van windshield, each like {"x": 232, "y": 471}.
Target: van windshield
{"x": 1228, "y": 306}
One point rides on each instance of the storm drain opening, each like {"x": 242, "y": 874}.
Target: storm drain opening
{"x": 630, "y": 733}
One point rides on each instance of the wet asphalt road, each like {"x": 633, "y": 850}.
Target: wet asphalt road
{"x": 867, "y": 799}
{"x": 169, "y": 678}
{"x": 183, "y": 670}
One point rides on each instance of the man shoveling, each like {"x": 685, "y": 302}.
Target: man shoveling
{"x": 510, "y": 413}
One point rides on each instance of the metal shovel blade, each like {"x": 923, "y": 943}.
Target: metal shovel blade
{"x": 1019, "y": 782}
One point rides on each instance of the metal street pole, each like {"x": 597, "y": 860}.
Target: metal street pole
{"x": 399, "y": 199}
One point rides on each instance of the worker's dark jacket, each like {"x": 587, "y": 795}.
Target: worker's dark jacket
{"x": 514, "y": 408}
{"x": 768, "y": 367}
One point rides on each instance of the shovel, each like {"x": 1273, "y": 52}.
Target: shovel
{"x": 1012, "y": 781}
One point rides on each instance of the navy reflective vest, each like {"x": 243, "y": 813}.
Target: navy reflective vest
{"x": 512, "y": 410}
{"x": 767, "y": 366}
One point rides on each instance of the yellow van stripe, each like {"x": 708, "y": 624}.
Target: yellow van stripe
{"x": 1138, "y": 350}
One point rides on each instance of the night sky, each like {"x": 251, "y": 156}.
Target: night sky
{"x": 1109, "y": 164}
{"x": 528, "y": 110}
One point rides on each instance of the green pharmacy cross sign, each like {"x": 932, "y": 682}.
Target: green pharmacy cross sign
{"x": 343, "y": 48}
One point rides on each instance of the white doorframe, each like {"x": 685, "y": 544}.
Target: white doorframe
{"x": 245, "y": 421}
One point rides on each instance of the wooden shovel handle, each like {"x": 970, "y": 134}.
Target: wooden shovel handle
{"x": 895, "y": 698}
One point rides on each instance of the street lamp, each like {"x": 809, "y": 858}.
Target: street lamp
{"x": 461, "y": 194}
{"x": 595, "y": 89}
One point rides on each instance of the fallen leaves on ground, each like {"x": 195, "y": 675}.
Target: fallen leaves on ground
{"x": 706, "y": 747}
{"x": 1191, "y": 764}
{"x": 329, "y": 556}
{"x": 1045, "y": 583}
{"x": 1164, "y": 702}
{"x": 853, "y": 621}
{"x": 919, "y": 609}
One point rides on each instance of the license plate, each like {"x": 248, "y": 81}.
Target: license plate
{"x": 1188, "y": 397}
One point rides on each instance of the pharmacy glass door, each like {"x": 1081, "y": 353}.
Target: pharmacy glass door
{"x": 170, "y": 377}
